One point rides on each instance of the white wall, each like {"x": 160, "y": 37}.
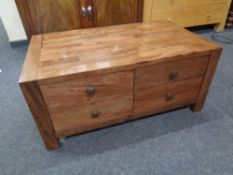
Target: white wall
{"x": 11, "y": 20}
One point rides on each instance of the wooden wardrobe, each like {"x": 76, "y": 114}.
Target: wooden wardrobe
{"x": 43, "y": 16}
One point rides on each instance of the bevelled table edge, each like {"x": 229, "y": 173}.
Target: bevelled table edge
{"x": 30, "y": 66}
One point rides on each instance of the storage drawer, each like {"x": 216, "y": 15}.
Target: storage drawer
{"x": 150, "y": 100}
{"x": 89, "y": 102}
{"x": 166, "y": 4}
{"x": 196, "y": 15}
{"x": 165, "y": 73}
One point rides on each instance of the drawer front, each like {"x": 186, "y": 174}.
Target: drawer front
{"x": 196, "y": 15}
{"x": 167, "y": 4}
{"x": 150, "y": 100}
{"x": 156, "y": 75}
{"x": 87, "y": 103}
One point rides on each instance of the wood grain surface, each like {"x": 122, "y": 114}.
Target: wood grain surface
{"x": 209, "y": 75}
{"x": 43, "y": 16}
{"x": 86, "y": 21}
{"x": 30, "y": 66}
{"x": 160, "y": 74}
{"x": 80, "y": 51}
{"x": 83, "y": 80}
{"x": 33, "y": 96}
{"x": 154, "y": 99}
{"x": 70, "y": 106}
{"x": 112, "y": 12}
{"x": 25, "y": 14}
{"x": 188, "y": 13}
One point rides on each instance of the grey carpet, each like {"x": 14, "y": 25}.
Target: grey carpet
{"x": 174, "y": 143}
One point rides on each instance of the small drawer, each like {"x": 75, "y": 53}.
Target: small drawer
{"x": 154, "y": 99}
{"x": 85, "y": 117}
{"x": 160, "y": 74}
{"x": 78, "y": 104}
{"x": 179, "y": 4}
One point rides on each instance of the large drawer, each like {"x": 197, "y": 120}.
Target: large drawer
{"x": 90, "y": 102}
{"x": 151, "y": 100}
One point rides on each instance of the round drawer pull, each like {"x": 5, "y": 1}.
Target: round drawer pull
{"x": 173, "y": 75}
{"x": 95, "y": 114}
{"x": 170, "y": 97}
{"x": 90, "y": 91}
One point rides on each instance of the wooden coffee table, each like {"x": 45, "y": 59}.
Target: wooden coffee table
{"x": 81, "y": 80}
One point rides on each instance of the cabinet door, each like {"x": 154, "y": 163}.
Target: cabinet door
{"x": 43, "y": 16}
{"x": 54, "y": 15}
{"x": 112, "y": 12}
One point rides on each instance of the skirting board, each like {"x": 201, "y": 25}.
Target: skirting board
{"x": 19, "y": 43}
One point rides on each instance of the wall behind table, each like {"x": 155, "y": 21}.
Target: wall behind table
{"x": 11, "y": 20}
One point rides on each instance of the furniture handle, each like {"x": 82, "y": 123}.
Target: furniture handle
{"x": 90, "y": 91}
{"x": 84, "y": 11}
{"x": 95, "y": 114}
{"x": 89, "y": 10}
{"x": 170, "y": 97}
{"x": 173, "y": 75}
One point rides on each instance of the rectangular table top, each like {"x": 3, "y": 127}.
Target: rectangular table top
{"x": 79, "y": 51}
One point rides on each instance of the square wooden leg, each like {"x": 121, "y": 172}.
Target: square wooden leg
{"x": 39, "y": 111}
{"x": 219, "y": 27}
{"x": 196, "y": 107}
{"x": 213, "y": 62}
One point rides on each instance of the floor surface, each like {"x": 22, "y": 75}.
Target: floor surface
{"x": 174, "y": 143}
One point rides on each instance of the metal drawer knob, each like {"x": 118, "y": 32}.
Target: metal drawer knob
{"x": 89, "y": 10}
{"x": 170, "y": 97}
{"x": 173, "y": 75}
{"x": 95, "y": 114}
{"x": 90, "y": 91}
{"x": 86, "y": 10}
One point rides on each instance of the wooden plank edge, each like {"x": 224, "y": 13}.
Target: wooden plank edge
{"x": 39, "y": 111}
{"x": 30, "y": 66}
{"x": 209, "y": 75}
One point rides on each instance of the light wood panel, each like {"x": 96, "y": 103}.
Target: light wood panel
{"x": 173, "y": 4}
{"x": 147, "y": 10}
{"x": 196, "y": 15}
{"x": 220, "y": 26}
{"x": 188, "y": 13}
